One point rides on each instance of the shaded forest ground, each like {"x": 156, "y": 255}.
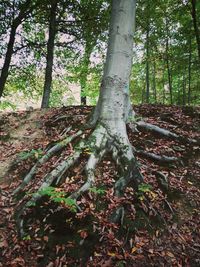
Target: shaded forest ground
{"x": 161, "y": 225}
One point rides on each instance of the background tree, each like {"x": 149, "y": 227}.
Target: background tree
{"x": 50, "y": 54}
{"x": 196, "y": 23}
{"x": 22, "y": 9}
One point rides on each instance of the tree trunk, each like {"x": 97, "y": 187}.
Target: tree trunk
{"x": 9, "y": 52}
{"x": 50, "y": 55}
{"x": 169, "y": 71}
{"x": 167, "y": 62}
{"x": 195, "y": 24}
{"x": 163, "y": 82}
{"x": 154, "y": 81}
{"x": 147, "y": 64}
{"x": 179, "y": 86}
{"x": 113, "y": 106}
{"x": 189, "y": 71}
{"x": 25, "y": 9}
{"x": 183, "y": 90}
{"x": 84, "y": 70}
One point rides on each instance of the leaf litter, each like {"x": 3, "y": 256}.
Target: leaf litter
{"x": 161, "y": 226}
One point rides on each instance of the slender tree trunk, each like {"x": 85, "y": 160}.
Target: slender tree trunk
{"x": 189, "y": 71}
{"x": 84, "y": 71}
{"x": 6, "y": 65}
{"x": 169, "y": 71}
{"x": 195, "y": 24}
{"x": 147, "y": 56}
{"x": 143, "y": 94}
{"x": 183, "y": 90}
{"x": 179, "y": 86}
{"x": 167, "y": 61}
{"x": 147, "y": 66}
{"x": 50, "y": 55}
{"x": 163, "y": 81}
{"x": 25, "y": 9}
{"x": 154, "y": 81}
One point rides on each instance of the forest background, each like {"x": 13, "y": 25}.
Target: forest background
{"x": 55, "y": 50}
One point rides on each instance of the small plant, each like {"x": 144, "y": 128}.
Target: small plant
{"x": 98, "y": 191}
{"x": 27, "y": 237}
{"x": 144, "y": 188}
{"x": 34, "y": 153}
{"x": 58, "y": 196}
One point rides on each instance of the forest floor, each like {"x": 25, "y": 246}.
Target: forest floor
{"x": 161, "y": 224}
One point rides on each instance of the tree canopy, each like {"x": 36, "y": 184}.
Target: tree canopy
{"x": 166, "y": 50}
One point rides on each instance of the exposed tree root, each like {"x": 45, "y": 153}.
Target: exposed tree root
{"x": 144, "y": 126}
{"x": 161, "y": 159}
{"x": 105, "y": 138}
{"x": 162, "y": 180}
{"x": 50, "y": 153}
{"x": 101, "y": 141}
{"x": 48, "y": 180}
{"x": 98, "y": 141}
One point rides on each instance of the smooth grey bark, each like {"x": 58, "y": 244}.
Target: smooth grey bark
{"x": 113, "y": 106}
{"x": 50, "y": 55}
{"x": 24, "y": 10}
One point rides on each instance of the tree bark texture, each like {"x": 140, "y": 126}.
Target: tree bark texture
{"x": 114, "y": 100}
{"x": 50, "y": 55}
{"x": 16, "y": 22}
{"x": 6, "y": 65}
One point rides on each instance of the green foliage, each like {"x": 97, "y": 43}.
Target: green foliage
{"x": 7, "y": 105}
{"x": 98, "y": 191}
{"x": 143, "y": 188}
{"x": 27, "y": 237}
{"x": 59, "y": 197}
{"x": 34, "y": 153}
{"x": 81, "y": 62}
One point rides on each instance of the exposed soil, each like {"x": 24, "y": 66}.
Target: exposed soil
{"x": 161, "y": 223}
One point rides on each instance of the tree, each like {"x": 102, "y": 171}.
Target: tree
{"x": 195, "y": 24}
{"x": 50, "y": 54}
{"x": 107, "y": 122}
{"x": 24, "y": 9}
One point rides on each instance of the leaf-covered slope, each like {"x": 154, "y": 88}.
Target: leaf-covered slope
{"x": 161, "y": 224}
